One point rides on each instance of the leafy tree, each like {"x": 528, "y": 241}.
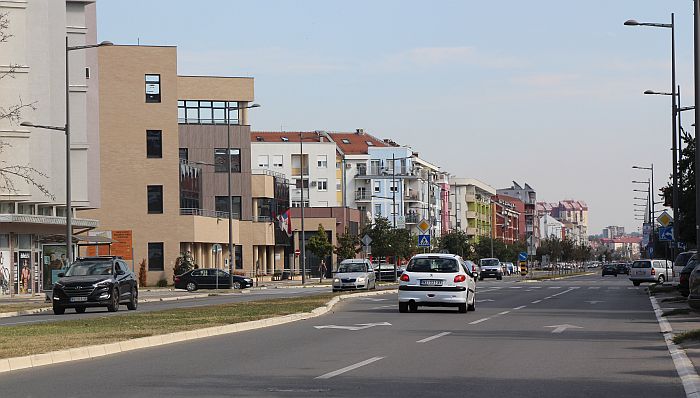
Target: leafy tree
{"x": 455, "y": 242}
{"x": 348, "y": 245}
{"x": 403, "y": 243}
{"x": 184, "y": 263}
{"x": 381, "y": 233}
{"x": 319, "y": 244}
{"x": 686, "y": 193}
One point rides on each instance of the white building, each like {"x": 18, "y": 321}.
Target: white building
{"x": 36, "y": 53}
{"x": 281, "y": 153}
{"x": 550, "y": 227}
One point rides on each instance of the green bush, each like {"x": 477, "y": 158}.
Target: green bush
{"x": 162, "y": 283}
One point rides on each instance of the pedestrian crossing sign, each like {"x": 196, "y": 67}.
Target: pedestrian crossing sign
{"x": 423, "y": 240}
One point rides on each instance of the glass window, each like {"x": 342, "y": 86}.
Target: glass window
{"x": 205, "y": 115}
{"x": 155, "y": 199}
{"x": 377, "y": 186}
{"x": 322, "y": 161}
{"x": 277, "y": 161}
{"x": 192, "y": 115}
{"x": 184, "y": 154}
{"x": 322, "y": 184}
{"x": 377, "y": 210}
{"x": 219, "y": 115}
{"x": 154, "y": 144}
{"x": 181, "y": 114}
{"x": 7, "y": 208}
{"x": 263, "y": 161}
{"x": 4, "y": 241}
{"x": 220, "y": 160}
{"x": 238, "y": 257}
{"x": 152, "y": 88}
{"x": 346, "y": 141}
{"x": 23, "y": 208}
{"x": 221, "y": 205}
{"x": 155, "y": 256}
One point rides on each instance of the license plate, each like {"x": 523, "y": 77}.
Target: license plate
{"x": 74, "y": 299}
{"x": 431, "y": 282}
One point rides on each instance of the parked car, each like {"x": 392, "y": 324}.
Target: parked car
{"x": 354, "y": 274}
{"x": 104, "y": 281}
{"x": 681, "y": 261}
{"x": 386, "y": 271}
{"x": 510, "y": 268}
{"x": 437, "y": 280}
{"x": 476, "y": 270}
{"x": 206, "y": 278}
{"x": 609, "y": 269}
{"x": 490, "y": 268}
{"x": 684, "y": 275}
{"x": 654, "y": 271}
{"x": 694, "y": 288}
{"x": 623, "y": 268}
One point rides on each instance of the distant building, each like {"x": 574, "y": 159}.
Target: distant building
{"x": 550, "y": 227}
{"x": 613, "y": 232}
{"x": 627, "y": 247}
{"x": 506, "y": 216}
{"x": 529, "y": 197}
{"x": 471, "y": 201}
{"x": 573, "y": 214}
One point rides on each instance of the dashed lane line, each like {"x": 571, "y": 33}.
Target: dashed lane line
{"x": 437, "y": 336}
{"x": 349, "y": 368}
{"x": 536, "y": 301}
{"x": 479, "y": 320}
{"x": 520, "y": 308}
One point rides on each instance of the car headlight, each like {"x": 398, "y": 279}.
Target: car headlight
{"x": 336, "y": 280}
{"x": 249, "y": 280}
{"x": 101, "y": 283}
{"x": 58, "y": 285}
{"x": 361, "y": 279}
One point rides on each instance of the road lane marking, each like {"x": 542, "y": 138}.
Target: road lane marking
{"x": 536, "y": 301}
{"x": 561, "y": 328}
{"x": 437, "y": 336}
{"x": 483, "y": 301}
{"x": 520, "y": 308}
{"x": 595, "y": 302}
{"x": 503, "y": 312}
{"x": 555, "y": 287}
{"x": 594, "y": 287}
{"x": 358, "y": 326}
{"x": 383, "y": 306}
{"x": 515, "y": 287}
{"x": 349, "y": 368}
{"x": 479, "y": 320}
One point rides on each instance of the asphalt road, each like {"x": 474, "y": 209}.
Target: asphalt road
{"x": 166, "y": 305}
{"x": 513, "y": 345}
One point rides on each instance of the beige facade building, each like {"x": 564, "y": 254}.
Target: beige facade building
{"x": 164, "y": 167}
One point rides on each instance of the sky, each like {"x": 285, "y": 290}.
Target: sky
{"x": 547, "y": 92}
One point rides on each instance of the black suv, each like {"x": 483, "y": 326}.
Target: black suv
{"x": 95, "y": 282}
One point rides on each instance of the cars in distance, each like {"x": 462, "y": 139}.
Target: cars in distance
{"x": 490, "y": 268}
{"x": 354, "y": 274}
{"x": 104, "y": 281}
{"x": 653, "y": 271}
{"x": 206, "y": 278}
{"x": 509, "y": 268}
{"x": 684, "y": 275}
{"x": 608, "y": 269}
{"x": 437, "y": 280}
{"x": 623, "y": 268}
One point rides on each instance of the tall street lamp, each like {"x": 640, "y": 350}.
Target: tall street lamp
{"x": 66, "y": 130}
{"x": 228, "y": 179}
{"x": 696, "y": 73}
{"x": 650, "y": 208}
{"x": 674, "y": 107}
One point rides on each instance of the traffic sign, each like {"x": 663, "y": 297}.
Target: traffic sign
{"x": 664, "y": 219}
{"x": 423, "y": 225}
{"x": 423, "y": 240}
{"x": 522, "y": 256}
{"x": 665, "y": 233}
{"x": 366, "y": 240}
{"x": 297, "y": 252}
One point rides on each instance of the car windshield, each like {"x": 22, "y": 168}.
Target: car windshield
{"x": 96, "y": 267}
{"x": 641, "y": 264}
{"x": 489, "y": 262}
{"x": 345, "y": 268}
{"x": 433, "y": 264}
{"x": 690, "y": 265}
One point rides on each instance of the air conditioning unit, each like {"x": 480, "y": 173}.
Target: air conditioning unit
{"x": 348, "y": 165}
{"x": 313, "y": 183}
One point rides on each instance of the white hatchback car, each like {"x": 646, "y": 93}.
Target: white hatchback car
{"x": 437, "y": 280}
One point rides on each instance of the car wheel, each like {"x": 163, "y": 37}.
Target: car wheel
{"x": 413, "y": 307}
{"x": 80, "y": 310}
{"x": 236, "y": 285}
{"x": 114, "y": 301}
{"x": 403, "y": 307}
{"x": 472, "y": 306}
{"x": 635, "y": 283}
{"x": 58, "y": 310}
{"x": 499, "y": 277}
{"x": 462, "y": 308}
{"x": 191, "y": 286}
{"x": 481, "y": 278}
{"x": 133, "y": 300}
{"x": 662, "y": 279}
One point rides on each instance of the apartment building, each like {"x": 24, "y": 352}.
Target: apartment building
{"x": 32, "y": 63}
{"x": 282, "y": 153}
{"x": 573, "y": 214}
{"x": 506, "y": 216}
{"x": 528, "y": 196}
{"x": 471, "y": 201}
{"x": 165, "y": 166}
{"x": 613, "y": 231}
{"x": 550, "y": 227}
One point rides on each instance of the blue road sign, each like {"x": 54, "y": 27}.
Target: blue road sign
{"x": 666, "y": 233}
{"x": 522, "y": 256}
{"x": 423, "y": 240}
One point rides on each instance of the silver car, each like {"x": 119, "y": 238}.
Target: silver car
{"x": 653, "y": 271}
{"x": 353, "y": 275}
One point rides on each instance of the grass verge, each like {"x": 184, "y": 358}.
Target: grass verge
{"x": 677, "y": 311}
{"x": 690, "y": 335}
{"x": 45, "y": 337}
{"x": 22, "y": 306}
{"x": 677, "y": 299}
{"x": 656, "y": 288}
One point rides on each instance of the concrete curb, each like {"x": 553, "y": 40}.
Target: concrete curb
{"x": 95, "y": 351}
{"x": 25, "y": 312}
{"x": 684, "y": 366}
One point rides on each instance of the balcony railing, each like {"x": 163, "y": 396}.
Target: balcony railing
{"x": 412, "y": 218}
{"x": 262, "y": 219}
{"x": 207, "y": 213}
{"x": 362, "y": 196}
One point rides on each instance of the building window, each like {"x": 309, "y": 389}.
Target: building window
{"x": 221, "y": 162}
{"x": 155, "y": 256}
{"x": 338, "y": 186}
{"x": 206, "y": 112}
{"x": 152, "y": 88}
{"x": 346, "y": 141}
{"x": 394, "y": 186}
{"x": 263, "y": 161}
{"x": 23, "y": 208}
{"x": 154, "y": 143}
{"x": 297, "y": 203}
{"x": 377, "y": 210}
{"x": 377, "y": 186}
{"x": 298, "y": 183}
{"x": 322, "y": 184}
{"x": 221, "y": 205}
{"x": 238, "y": 256}
{"x": 277, "y": 161}
{"x": 369, "y": 143}
{"x": 184, "y": 154}
{"x": 322, "y": 161}
{"x": 7, "y": 208}
{"x": 155, "y": 199}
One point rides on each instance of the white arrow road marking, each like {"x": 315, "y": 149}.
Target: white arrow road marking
{"x": 358, "y": 326}
{"x": 437, "y": 336}
{"x": 483, "y": 301}
{"x": 595, "y": 302}
{"x": 349, "y": 368}
{"x": 555, "y": 287}
{"x": 561, "y": 328}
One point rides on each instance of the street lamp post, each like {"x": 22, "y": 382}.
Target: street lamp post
{"x": 66, "y": 130}
{"x": 696, "y": 73}
{"x": 303, "y": 235}
{"x": 230, "y": 198}
{"x": 650, "y": 209}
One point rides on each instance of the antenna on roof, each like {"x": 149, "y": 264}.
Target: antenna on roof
{"x": 138, "y": 41}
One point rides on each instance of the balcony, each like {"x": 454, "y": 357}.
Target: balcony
{"x": 412, "y": 197}
{"x": 412, "y": 218}
{"x": 363, "y": 196}
{"x": 472, "y": 214}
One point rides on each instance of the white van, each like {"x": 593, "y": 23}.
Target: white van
{"x": 653, "y": 271}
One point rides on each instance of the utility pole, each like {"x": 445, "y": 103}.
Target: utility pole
{"x": 696, "y": 58}
{"x": 303, "y": 235}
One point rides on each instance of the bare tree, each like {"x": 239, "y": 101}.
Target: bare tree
{"x": 11, "y": 173}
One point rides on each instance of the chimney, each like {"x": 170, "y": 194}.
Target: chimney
{"x": 359, "y": 131}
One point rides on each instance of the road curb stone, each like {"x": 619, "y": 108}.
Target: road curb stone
{"x": 99, "y": 350}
